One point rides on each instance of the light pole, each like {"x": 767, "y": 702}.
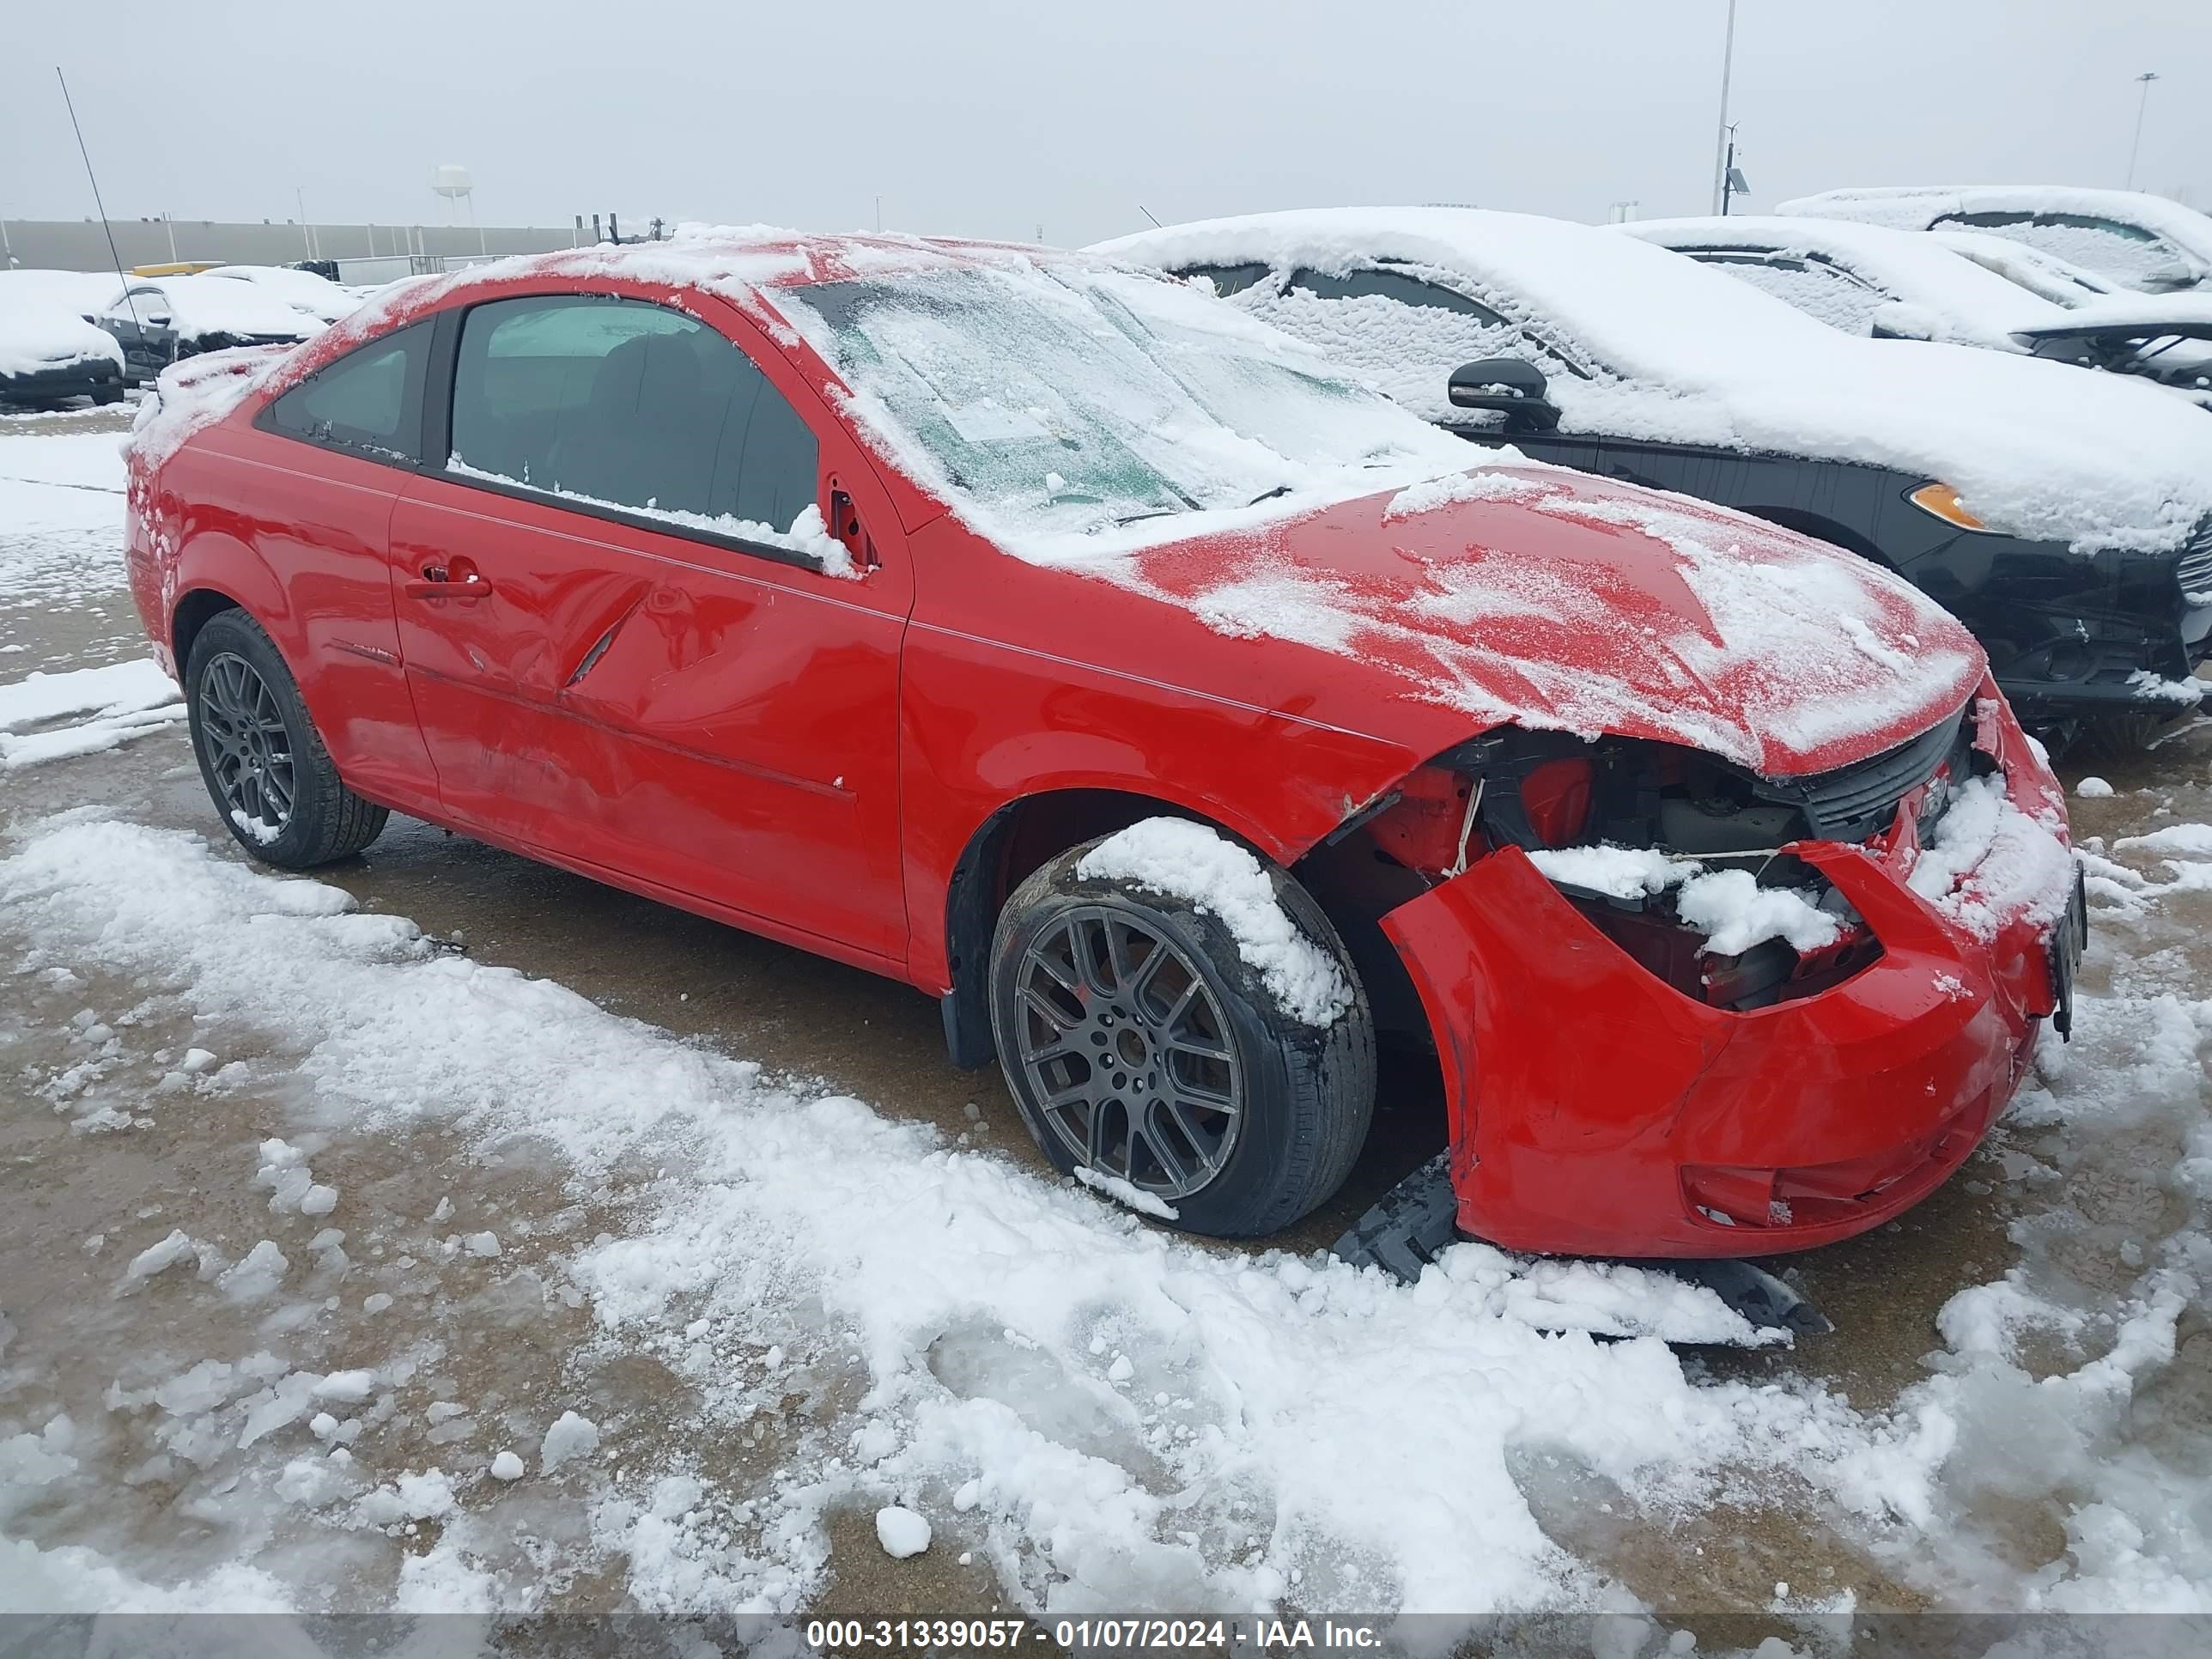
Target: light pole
{"x": 2142, "y": 105}
{"x": 1721, "y": 143}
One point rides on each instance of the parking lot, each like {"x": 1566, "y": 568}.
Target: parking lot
{"x": 327, "y": 1202}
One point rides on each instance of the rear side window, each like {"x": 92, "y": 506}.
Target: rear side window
{"x": 368, "y": 402}
{"x": 1823, "y": 292}
{"x": 1398, "y": 285}
{"x": 2131, "y": 252}
{"x": 620, "y": 403}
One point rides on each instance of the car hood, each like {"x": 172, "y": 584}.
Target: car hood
{"x": 32, "y": 340}
{"x": 1531, "y": 595}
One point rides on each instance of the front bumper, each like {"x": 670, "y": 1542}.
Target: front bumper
{"x": 98, "y": 378}
{"x": 1596, "y": 1110}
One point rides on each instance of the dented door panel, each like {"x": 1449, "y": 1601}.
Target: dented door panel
{"x": 703, "y": 721}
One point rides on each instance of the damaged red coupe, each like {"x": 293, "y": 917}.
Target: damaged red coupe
{"x": 1060, "y": 641}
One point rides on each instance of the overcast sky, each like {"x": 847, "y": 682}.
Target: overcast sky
{"x": 996, "y": 117}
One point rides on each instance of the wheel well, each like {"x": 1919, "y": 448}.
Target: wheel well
{"x": 1006, "y": 850}
{"x": 193, "y": 614}
{"x": 1013, "y": 843}
{"x": 1823, "y": 530}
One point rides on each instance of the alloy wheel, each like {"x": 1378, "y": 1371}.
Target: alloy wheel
{"x": 1127, "y": 1052}
{"x": 249, "y": 749}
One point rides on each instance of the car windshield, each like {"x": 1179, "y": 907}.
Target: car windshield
{"x": 1065, "y": 397}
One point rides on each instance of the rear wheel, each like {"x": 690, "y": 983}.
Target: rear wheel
{"x": 264, "y": 763}
{"x": 1142, "y": 1048}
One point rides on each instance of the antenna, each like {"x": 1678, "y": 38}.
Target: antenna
{"x": 1147, "y": 212}
{"x": 70, "y": 104}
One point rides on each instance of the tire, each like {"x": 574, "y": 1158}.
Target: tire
{"x": 2117, "y": 737}
{"x": 286, "y": 805}
{"x": 1304, "y": 1093}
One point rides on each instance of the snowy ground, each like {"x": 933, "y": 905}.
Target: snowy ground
{"x": 452, "y": 1235}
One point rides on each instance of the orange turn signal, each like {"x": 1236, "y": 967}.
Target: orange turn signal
{"x": 1944, "y": 502}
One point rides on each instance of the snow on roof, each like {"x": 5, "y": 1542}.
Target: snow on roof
{"x": 1686, "y": 355}
{"x": 1971, "y": 304}
{"x": 1102, "y": 419}
{"x": 203, "y": 304}
{"x": 1917, "y": 207}
{"x": 40, "y": 324}
{"x": 320, "y": 295}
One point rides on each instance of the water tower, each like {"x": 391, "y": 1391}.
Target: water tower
{"x": 453, "y": 183}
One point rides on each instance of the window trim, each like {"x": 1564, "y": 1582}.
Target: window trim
{"x": 412, "y": 396}
{"x": 443, "y": 363}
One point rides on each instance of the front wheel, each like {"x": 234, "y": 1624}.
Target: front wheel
{"x": 1147, "y": 1055}
{"x": 264, "y": 763}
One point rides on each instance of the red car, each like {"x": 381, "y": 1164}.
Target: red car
{"x": 1051, "y": 637}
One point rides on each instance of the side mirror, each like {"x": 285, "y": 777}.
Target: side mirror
{"x": 2171, "y": 277}
{"x": 1893, "y": 319}
{"x": 1506, "y": 383}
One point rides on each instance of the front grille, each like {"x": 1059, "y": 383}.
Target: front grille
{"x": 2194, "y": 568}
{"x": 1855, "y": 801}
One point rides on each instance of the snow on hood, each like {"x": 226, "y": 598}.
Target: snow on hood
{"x": 1682, "y": 354}
{"x": 40, "y": 327}
{"x": 1541, "y": 598}
{"x": 204, "y": 306}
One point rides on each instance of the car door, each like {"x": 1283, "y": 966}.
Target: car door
{"x": 619, "y": 656}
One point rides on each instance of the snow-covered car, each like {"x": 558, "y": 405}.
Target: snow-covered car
{"x": 314, "y": 294}
{"x": 2144, "y": 242}
{"x": 1048, "y": 635}
{"x": 158, "y": 320}
{"x": 1871, "y": 281}
{"x": 2067, "y": 518}
{"x": 48, "y": 353}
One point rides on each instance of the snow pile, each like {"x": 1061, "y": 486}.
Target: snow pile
{"x": 808, "y": 534}
{"x": 293, "y": 1188}
{"x": 901, "y": 1532}
{"x": 1192, "y": 862}
{"x": 121, "y": 701}
{"x": 1728, "y": 907}
{"x": 1988, "y": 863}
{"x": 41, "y": 328}
{"x": 1433, "y": 493}
{"x": 1669, "y": 351}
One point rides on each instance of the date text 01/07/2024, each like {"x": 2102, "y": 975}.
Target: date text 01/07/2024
{"x": 1137, "y": 1634}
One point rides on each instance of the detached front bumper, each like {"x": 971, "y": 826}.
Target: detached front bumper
{"x": 1595, "y": 1109}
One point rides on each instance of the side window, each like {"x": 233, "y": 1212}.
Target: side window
{"x": 2131, "y": 252}
{"x": 1400, "y": 334}
{"x": 1822, "y": 291}
{"x": 368, "y": 401}
{"x": 149, "y": 304}
{"x": 619, "y": 404}
{"x": 1226, "y": 279}
{"x": 1399, "y": 286}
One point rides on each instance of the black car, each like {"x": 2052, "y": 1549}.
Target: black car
{"x": 158, "y": 320}
{"x": 48, "y": 353}
{"x": 2065, "y": 518}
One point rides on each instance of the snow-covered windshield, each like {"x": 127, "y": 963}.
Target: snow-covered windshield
{"x": 1076, "y": 398}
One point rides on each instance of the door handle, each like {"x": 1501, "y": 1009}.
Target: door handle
{"x": 461, "y": 582}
